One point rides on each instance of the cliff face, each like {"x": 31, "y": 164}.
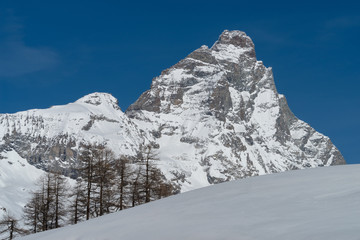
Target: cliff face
{"x": 214, "y": 116}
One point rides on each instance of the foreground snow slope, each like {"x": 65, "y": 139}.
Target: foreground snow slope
{"x": 322, "y": 203}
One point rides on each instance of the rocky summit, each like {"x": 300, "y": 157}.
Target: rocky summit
{"x": 215, "y": 116}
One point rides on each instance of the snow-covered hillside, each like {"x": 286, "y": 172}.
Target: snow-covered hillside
{"x": 17, "y": 179}
{"x": 322, "y": 203}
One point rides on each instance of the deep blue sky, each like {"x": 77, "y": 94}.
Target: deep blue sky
{"x": 54, "y": 52}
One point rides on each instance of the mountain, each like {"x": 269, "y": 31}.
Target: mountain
{"x": 320, "y": 203}
{"x": 214, "y": 116}
{"x": 36, "y": 140}
{"x": 217, "y": 116}
{"x": 52, "y": 136}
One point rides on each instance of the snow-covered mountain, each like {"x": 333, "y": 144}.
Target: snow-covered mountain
{"x": 52, "y": 136}
{"x": 319, "y": 204}
{"x": 217, "y": 116}
{"x": 214, "y": 116}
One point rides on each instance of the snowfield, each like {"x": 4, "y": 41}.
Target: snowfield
{"x": 322, "y": 203}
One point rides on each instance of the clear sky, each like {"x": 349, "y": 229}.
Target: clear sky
{"x": 54, "y": 52}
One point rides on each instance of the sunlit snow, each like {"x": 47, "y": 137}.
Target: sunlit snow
{"x": 322, "y": 203}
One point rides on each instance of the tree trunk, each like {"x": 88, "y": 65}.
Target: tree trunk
{"x": 11, "y": 229}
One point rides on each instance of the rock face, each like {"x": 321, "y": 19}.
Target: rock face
{"x": 218, "y": 116}
{"x": 214, "y": 116}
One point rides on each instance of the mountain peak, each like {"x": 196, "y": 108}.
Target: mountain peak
{"x": 99, "y": 98}
{"x": 232, "y": 44}
{"x": 232, "y": 33}
{"x": 236, "y": 38}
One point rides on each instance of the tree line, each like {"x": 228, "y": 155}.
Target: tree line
{"x": 105, "y": 184}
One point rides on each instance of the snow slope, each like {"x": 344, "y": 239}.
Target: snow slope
{"x": 17, "y": 179}
{"x": 322, "y": 203}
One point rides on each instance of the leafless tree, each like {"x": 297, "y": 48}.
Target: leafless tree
{"x": 87, "y": 162}
{"x": 77, "y": 208}
{"x": 124, "y": 174}
{"x": 46, "y": 207}
{"x": 60, "y": 186}
{"x": 32, "y": 212}
{"x": 104, "y": 175}
{"x": 136, "y": 188}
{"x": 10, "y": 225}
{"x": 148, "y": 157}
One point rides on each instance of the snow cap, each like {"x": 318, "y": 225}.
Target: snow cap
{"x": 99, "y": 98}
